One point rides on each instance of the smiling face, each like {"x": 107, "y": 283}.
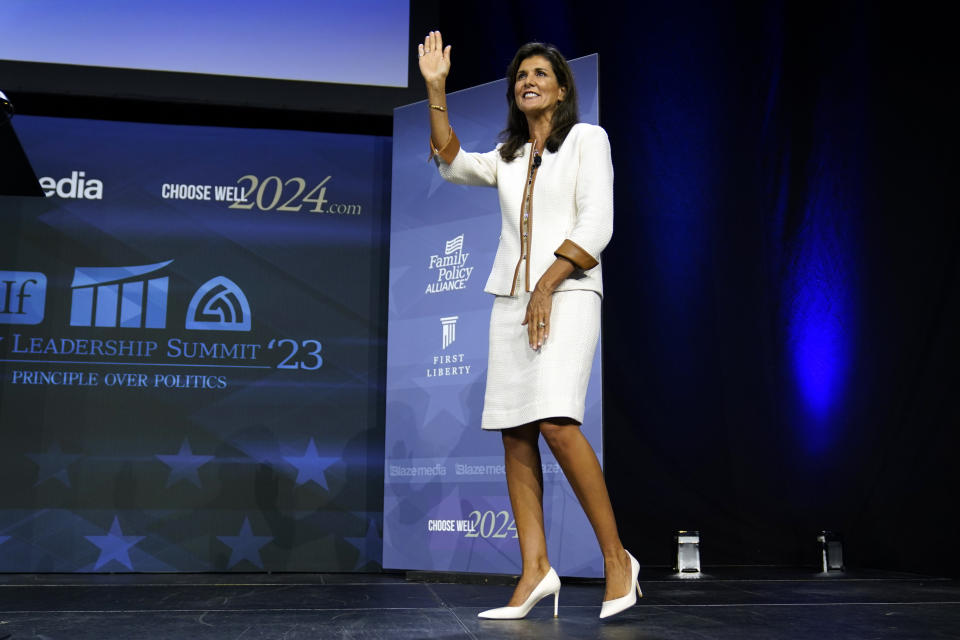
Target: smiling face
{"x": 535, "y": 88}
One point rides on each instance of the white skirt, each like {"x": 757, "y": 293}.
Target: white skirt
{"x": 524, "y": 385}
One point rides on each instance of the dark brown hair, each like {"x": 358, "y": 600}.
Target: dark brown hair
{"x": 566, "y": 115}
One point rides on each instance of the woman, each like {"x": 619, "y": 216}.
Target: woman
{"x": 546, "y": 316}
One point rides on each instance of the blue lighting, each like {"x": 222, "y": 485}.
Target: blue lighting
{"x": 818, "y": 333}
{"x": 819, "y": 303}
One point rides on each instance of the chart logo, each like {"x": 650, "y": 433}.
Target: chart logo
{"x": 449, "y": 330}
{"x": 219, "y": 305}
{"x": 22, "y": 297}
{"x": 119, "y": 297}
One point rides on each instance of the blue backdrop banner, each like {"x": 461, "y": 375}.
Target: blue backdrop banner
{"x": 190, "y": 348}
{"x": 446, "y": 506}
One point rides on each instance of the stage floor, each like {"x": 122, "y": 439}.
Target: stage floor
{"x": 727, "y": 602}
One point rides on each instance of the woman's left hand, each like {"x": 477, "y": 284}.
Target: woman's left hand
{"x": 537, "y": 317}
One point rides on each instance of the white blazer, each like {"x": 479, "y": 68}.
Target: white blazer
{"x": 571, "y": 209}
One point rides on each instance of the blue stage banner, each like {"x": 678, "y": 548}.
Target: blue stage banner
{"x": 446, "y": 506}
{"x": 191, "y": 344}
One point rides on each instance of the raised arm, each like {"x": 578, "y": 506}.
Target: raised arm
{"x": 435, "y": 66}
{"x": 479, "y": 169}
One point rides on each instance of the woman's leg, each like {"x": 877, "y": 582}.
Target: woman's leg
{"x": 580, "y": 465}
{"x": 521, "y": 454}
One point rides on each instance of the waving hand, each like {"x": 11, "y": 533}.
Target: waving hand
{"x": 434, "y": 58}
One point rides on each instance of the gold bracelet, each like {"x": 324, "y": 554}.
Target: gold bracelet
{"x": 438, "y": 107}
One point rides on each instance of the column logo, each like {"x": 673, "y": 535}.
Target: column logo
{"x": 22, "y": 297}
{"x": 448, "y": 363}
{"x": 120, "y": 297}
{"x": 449, "y": 325}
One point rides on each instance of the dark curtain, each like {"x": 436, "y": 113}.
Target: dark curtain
{"x": 782, "y": 288}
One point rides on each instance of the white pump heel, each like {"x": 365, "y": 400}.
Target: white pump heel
{"x": 615, "y": 606}
{"x": 549, "y": 585}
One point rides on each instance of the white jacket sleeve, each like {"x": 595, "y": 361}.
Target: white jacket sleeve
{"x": 462, "y": 167}
{"x": 594, "y": 196}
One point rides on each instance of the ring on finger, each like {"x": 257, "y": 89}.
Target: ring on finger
{"x": 541, "y": 324}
